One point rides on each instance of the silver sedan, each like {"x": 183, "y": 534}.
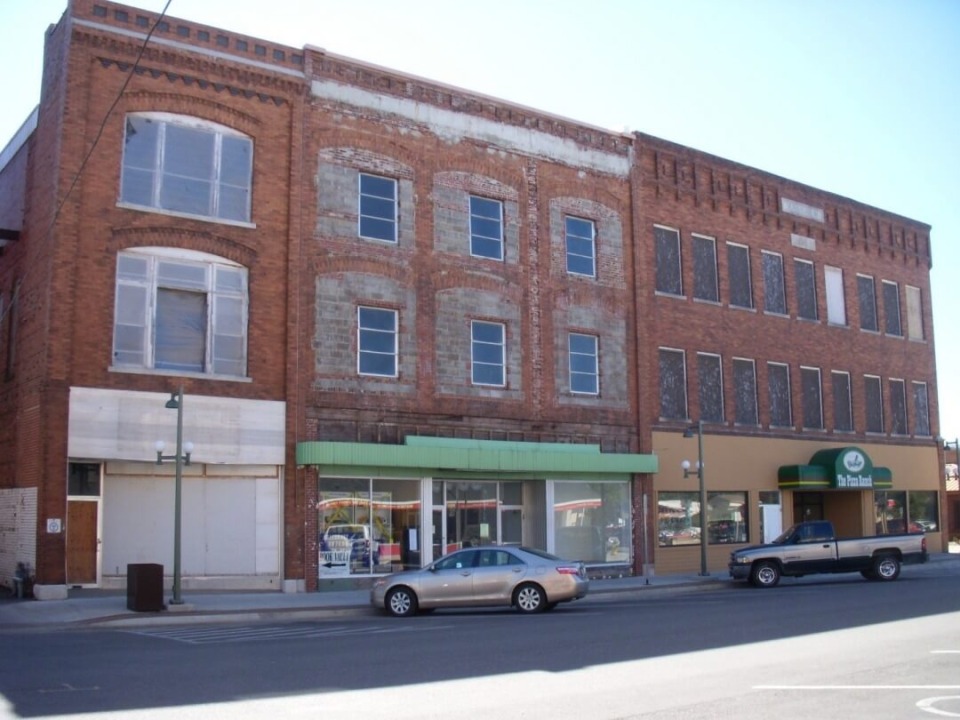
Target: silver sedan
{"x": 529, "y": 580}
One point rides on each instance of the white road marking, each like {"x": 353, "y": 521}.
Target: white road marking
{"x": 856, "y": 687}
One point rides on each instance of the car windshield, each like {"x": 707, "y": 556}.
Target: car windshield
{"x": 786, "y": 535}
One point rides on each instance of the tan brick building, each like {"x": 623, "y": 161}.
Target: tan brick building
{"x": 406, "y": 317}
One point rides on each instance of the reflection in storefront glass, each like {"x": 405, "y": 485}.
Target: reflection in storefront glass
{"x": 899, "y": 512}
{"x": 727, "y": 517}
{"x": 367, "y": 526}
{"x": 592, "y": 521}
{"x": 678, "y": 518}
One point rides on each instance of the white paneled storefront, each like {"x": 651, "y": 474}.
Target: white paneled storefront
{"x": 232, "y": 490}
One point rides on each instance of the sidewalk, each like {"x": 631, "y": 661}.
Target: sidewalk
{"x": 100, "y": 607}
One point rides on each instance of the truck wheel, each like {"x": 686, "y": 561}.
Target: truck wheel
{"x": 765, "y": 574}
{"x": 886, "y": 567}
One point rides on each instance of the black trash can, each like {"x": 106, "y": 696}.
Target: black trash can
{"x": 145, "y": 587}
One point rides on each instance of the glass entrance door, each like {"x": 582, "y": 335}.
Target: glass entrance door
{"x": 472, "y": 510}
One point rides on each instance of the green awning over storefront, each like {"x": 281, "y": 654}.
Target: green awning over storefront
{"x": 443, "y": 456}
{"x": 846, "y": 468}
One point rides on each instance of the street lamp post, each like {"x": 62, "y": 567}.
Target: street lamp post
{"x": 181, "y": 458}
{"x": 688, "y": 433}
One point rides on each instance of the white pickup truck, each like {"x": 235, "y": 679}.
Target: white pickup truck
{"x": 811, "y": 547}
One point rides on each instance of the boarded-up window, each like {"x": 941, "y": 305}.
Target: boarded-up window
{"x": 705, "y": 282}
{"x": 914, "y": 313}
{"x": 668, "y": 260}
{"x": 842, "y": 410}
{"x": 710, "y": 376}
{"x": 812, "y": 401}
{"x": 898, "y": 407}
{"x": 774, "y": 294}
{"x": 805, "y": 279}
{"x": 738, "y": 261}
{"x": 868, "y": 303}
{"x": 873, "y": 397}
{"x": 891, "y": 309}
{"x": 673, "y": 385}
{"x": 778, "y": 384}
{"x": 745, "y": 391}
{"x": 921, "y": 409}
{"x": 836, "y": 305}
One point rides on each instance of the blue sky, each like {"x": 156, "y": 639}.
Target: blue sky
{"x": 857, "y": 97}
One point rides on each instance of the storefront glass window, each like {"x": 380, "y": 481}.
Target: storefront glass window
{"x": 727, "y": 517}
{"x": 367, "y": 526}
{"x": 890, "y": 511}
{"x": 923, "y": 511}
{"x": 678, "y": 518}
{"x": 592, "y": 521}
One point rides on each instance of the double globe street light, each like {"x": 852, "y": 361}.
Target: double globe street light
{"x": 180, "y": 458}
{"x": 687, "y": 471}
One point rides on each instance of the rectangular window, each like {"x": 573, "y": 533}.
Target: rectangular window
{"x": 186, "y": 165}
{"x": 914, "y": 313}
{"x": 710, "y": 377}
{"x": 867, "y": 296}
{"x": 667, "y": 242}
{"x": 923, "y": 512}
{"x": 921, "y": 409}
{"x": 890, "y": 511}
{"x": 591, "y": 520}
{"x": 812, "y": 399}
{"x": 898, "y": 407}
{"x": 727, "y": 518}
{"x": 180, "y": 315}
{"x": 673, "y": 385}
{"x": 745, "y": 391}
{"x": 378, "y": 208}
{"x": 805, "y": 279}
{"x": 842, "y": 408}
{"x": 581, "y": 246}
{"x": 678, "y": 518}
{"x": 778, "y": 382}
{"x": 706, "y": 284}
{"x": 836, "y": 304}
{"x": 584, "y": 368}
{"x": 488, "y": 353}
{"x": 486, "y": 228}
{"x": 774, "y": 292}
{"x": 741, "y": 289}
{"x": 891, "y": 309}
{"x": 377, "y": 342}
{"x": 873, "y": 397}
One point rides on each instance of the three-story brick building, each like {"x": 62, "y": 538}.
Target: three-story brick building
{"x": 406, "y": 317}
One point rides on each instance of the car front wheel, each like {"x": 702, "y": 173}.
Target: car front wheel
{"x": 530, "y": 598}
{"x": 401, "y": 602}
{"x": 766, "y": 575}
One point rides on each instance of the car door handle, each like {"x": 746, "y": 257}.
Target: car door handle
{"x": 465, "y": 573}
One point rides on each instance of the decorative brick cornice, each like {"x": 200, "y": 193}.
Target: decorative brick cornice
{"x": 183, "y": 66}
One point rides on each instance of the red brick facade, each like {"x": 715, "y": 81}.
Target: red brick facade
{"x": 312, "y": 124}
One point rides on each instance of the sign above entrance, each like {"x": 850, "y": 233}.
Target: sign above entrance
{"x": 844, "y": 468}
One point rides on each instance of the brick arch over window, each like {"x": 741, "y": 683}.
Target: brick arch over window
{"x": 174, "y": 237}
{"x": 188, "y": 105}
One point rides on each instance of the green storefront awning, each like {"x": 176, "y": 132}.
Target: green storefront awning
{"x": 846, "y": 468}
{"x": 451, "y": 455}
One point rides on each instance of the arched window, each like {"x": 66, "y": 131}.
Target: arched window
{"x": 186, "y": 165}
{"x": 180, "y": 311}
